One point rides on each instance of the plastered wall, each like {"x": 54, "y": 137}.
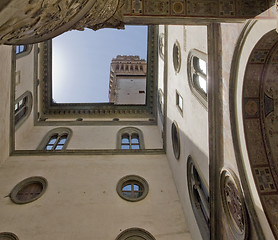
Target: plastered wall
{"x": 5, "y": 81}
{"x": 192, "y": 123}
{"x": 81, "y": 201}
{"x": 88, "y": 137}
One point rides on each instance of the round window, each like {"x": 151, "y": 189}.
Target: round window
{"x": 176, "y": 140}
{"x": 135, "y": 234}
{"x": 132, "y": 188}
{"x": 8, "y": 236}
{"x": 28, "y": 190}
{"x": 177, "y": 56}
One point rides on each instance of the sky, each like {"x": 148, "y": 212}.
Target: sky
{"x": 81, "y": 61}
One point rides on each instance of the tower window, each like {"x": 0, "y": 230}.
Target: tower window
{"x": 130, "y": 138}
{"x": 56, "y": 140}
{"x": 132, "y": 188}
{"x": 197, "y": 74}
{"x": 22, "y": 108}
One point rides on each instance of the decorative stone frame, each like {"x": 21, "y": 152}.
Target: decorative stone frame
{"x": 27, "y": 50}
{"x": 177, "y": 56}
{"x": 59, "y": 131}
{"x": 196, "y": 207}
{"x": 8, "y": 235}
{"x": 135, "y": 232}
{"x": 130, "y": 130}
{"x": 29, "y": 104}
{"x": 135, "y": 178}
{"x": 52, "y": 110}
{"x": 237, "y": 199}
{"x": 175, "y": 139}
{"x": 202, "y": 98}
{"x": 23, "y": 184}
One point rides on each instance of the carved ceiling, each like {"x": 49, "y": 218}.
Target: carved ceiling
{"x": 260, "y": 117}
{"x": 31, "y": 21}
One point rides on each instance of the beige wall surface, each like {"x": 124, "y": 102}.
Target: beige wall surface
{"x": 87, "y": 137}
{"x": 192, "y": 123}
{"x": 5, "y": 81}
{"x": 81, "y": 201}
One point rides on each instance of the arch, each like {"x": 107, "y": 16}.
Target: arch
{"x": 256, "y": 37}
{"x": 56, "y": 140}
{"x": 197, "y": 65}
{"x": 135, "y": 233}
{"x": 130, "y": 138}
{"x": 22, "y": 108}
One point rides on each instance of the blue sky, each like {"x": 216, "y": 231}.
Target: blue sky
{"x": 81, "y": 61}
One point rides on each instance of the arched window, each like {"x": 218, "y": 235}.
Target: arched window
{"x": 130, "y": 138}
{"x": 197, "y": 74}
{"x": 22, "y": 108}
{"x": 56, "y": 140}
{"x": 22, "y": 50}
{"x": 135, "y": 233}
{"x": 199, "y": 198}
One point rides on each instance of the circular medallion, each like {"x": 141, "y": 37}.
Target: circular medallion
{"x": 233, "y": 204}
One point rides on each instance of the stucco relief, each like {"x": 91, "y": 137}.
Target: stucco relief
{"x": 29, "y": 21}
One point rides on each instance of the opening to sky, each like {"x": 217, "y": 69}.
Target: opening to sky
{"x": 81, "y": 61}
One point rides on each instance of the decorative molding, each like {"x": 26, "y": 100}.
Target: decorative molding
{"x": 234, "y": 127}
{"x": 233, "y": 204}
{"x": 99, "y": 110}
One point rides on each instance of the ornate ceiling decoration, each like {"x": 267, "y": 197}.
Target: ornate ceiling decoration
{"x": 260, "y": 117}
{"x": 29, "y": 21}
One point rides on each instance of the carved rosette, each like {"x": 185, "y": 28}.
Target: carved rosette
{"x": 30, "y": 21}
{"x": 233, "y": 204}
